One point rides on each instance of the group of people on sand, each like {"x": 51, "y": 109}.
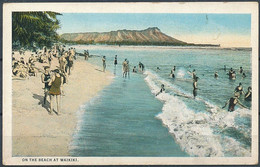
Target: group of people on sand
{"x": 52, "y": 80}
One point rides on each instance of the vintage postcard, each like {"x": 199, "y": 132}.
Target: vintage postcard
{"x": 130, "y": 83}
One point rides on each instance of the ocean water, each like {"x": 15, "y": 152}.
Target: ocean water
{"x": 127, "y": 119}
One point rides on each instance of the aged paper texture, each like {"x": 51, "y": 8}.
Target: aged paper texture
{"x": 130, "y": 83}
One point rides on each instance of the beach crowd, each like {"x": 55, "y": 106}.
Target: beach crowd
{"x": 52, "y": 80}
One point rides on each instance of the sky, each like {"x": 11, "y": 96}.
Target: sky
{"x": 228, "y": 30}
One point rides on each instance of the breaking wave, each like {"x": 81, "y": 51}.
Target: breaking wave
{"x": 200, "y": 133}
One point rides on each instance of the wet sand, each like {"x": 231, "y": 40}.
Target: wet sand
{"x": 35, "y": 132}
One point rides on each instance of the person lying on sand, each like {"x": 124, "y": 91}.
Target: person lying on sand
{"x": 32, "y": 70}
{"x": 20, "y": 70}
{"x": 232, "y": 103}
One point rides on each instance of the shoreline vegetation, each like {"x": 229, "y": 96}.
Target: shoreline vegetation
{"x": 35, "y": 132}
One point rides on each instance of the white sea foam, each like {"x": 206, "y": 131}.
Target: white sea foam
{"x": 194, "y": 131}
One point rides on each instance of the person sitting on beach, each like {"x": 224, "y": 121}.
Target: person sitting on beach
{"x": 216, "y": 74}
{"x": 124, "y": 65}
{"x": 232, "y": 103}
{"x": 134, "y": 69}
{"x": 22, "y": 60}
{"x": 20, "y": 70}
{"x": 241, "y": 70}
{"x": 161, "y": 90}
{"x": 32, "y": 70}
{"x": 56, "y": 89}
{"x": 104, "y": 63}
{"x": 115, "y": 60}
{"x": 45, "y": 78}
{"x": 248, "y": 95}
{"x": 239, "y": 89}
{"x": 31, "y": 59}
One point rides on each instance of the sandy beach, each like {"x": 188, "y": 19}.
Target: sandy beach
{"x": 35, "y": 132}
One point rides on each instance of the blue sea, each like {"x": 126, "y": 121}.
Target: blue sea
{"x": 127, "y": 119}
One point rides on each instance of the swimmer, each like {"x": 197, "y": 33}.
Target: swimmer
{"x": 195, "y": 87}
{"x": 134, "y": 69}
{"x": 243, "y": 75}
{"x": 232, "y": 103}
{"x": 241, "y": 70}
{"x": 239, "y": 89}
{"x": 248, "y": 95}
{"x": 216, "y": 74}
{"x": 193, "y": 74}
{"x": 162, "y": 90}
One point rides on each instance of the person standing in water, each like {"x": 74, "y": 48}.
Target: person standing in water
{"x": 232, "y": 74}
{"x": 56, "y": 89}
{"x": 115, "y": 60}
{"x": 232, "y": 103}
{"x": 248, "y": 95}
{"x": 161, "y": 90}
{"x": 225, "y": 68}
{"x": 216, "y": 74}
{"x": 86, "y": 54}
{"x": 193, "y": 74}
{"x": 124, "y": 65}
{"x": 241, "y": 70}
{"x": 239, "y": 89}
{"x": 243, "y": 75}
{"x": 104, "y": 63}
{"x": 128, "y": 69}
{"x": 45, "y": 80}
{"x": 134, "y": 69}
{"x": 195, "y": 87}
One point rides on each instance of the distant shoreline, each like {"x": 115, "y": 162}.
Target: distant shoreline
{"x": 165, "y": 47}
